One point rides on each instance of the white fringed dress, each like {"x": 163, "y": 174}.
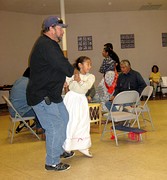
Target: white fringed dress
{"x": 78, "y": 128}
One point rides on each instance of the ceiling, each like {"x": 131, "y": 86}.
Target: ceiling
{"x": 47, "y": 7}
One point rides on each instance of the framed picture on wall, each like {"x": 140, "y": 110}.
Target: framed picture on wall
{"x": 164, "y": 39}
{"x": 127, "y": 41}
{"x": 85, "y": 43}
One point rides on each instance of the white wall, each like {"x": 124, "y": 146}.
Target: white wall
{"x": 19, "y": 31}
{"x": 107, "y": 27}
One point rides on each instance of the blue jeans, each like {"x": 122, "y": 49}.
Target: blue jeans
{"x": 54, "y": 119}
{"x": 32, "y": 113}
{"x": 108, "y": 104}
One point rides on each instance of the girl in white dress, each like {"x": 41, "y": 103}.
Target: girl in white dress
{"x": 78, "y": 128}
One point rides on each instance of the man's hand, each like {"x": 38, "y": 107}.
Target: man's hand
{"x": 89, "y": 98}
{"x": 111, "y": 98}
{"x": 66, "y": 87}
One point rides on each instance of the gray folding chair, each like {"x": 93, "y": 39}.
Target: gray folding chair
{"x": 142, "y": 106}
{"x": 128, "y": 118}
{"x": 17, "y": 118}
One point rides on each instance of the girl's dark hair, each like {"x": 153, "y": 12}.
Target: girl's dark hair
{"x": 109, "y": 45}
{"x": 108, "y": 50}
{"x": 155, "y": 66}
{"x": 81, "y": 59}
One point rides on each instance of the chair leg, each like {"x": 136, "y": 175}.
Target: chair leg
{"x": 99, "y": 126}
{"x": 144, "y": 120}
{"x": 104, "y": 130}
{"x": 31, "y": 130}
{"x": 13, "y": 131}
{"x": 10, "y": 128}
{"x": 138, "y": 124}
{"x": 151, "y": 120}
{"x": 135, "y": 120}
{"x": 115, "y": 134}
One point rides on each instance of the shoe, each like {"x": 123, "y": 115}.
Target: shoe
{"x": 86, "y": 152}
{"x": 43, "y": 137}
{"x": 58, "y": 167}
{"x": 20, "y": 127}
{"x": 39, "y": 131}
{"x": 67, "y": 155}
{"x": 119, "y": 123}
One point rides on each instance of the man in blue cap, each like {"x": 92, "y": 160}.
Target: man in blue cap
{"x": 48, "y": 70}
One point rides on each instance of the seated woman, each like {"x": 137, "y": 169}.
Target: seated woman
{"x": 155, "y": 78}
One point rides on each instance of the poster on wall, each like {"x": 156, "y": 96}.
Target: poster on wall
{"x": 127, "y": 41}
{"x": 85, "y": 43}
{"x": 164, "y": 39}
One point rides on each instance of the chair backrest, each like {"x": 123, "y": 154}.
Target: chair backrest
{"x": 126, "y": 97}
{"x": 164, "y": 81}
{"x": 147, "y": 92}
{"x": 17, "y": 115}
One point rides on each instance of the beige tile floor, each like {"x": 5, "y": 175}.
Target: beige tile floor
{"x": 147, "y": 160}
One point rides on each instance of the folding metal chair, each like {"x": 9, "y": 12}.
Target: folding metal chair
{"x": 17, "y": 118}
{"x": 142, "y": 106}
{"x": 121, "y": 99}
{"x": 163, "y": 86}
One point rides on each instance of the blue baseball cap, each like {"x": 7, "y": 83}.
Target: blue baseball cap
{"x": 53, "y": 21}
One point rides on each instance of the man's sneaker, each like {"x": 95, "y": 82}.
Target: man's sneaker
{"x": 67, "y": 155}
{"x": 58, "y": 167}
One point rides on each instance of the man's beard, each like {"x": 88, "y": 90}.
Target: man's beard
{"x": 59, "y": 38}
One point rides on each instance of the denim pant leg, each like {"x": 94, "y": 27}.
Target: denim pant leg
{"x": 54, "y": 119}
{"x": 108, "y": 105}
{"x": 32, "y": 113}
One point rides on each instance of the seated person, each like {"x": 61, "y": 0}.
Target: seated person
{"x": 18, "y": 98}
{"x": 128, "y": 80}
{"x": 155, "y": 78}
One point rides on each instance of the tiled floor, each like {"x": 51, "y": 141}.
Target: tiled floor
{"x": 147, "y": 160}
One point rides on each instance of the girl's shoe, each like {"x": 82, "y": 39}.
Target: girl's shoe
{"x": 86, "y": 152}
